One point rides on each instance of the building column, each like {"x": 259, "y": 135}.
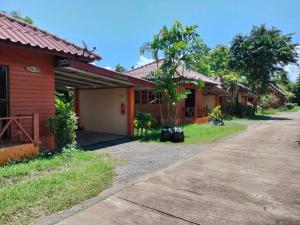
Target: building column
{"x": 130, "y": 111}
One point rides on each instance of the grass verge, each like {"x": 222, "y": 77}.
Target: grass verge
{"x": 49, "y": 184}
{"x": 272, "y": 111}
{"x": 199, "y": 133}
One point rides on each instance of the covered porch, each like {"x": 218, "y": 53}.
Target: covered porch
{"x": 103, "y": 100}
{"x": 199, "y": 103}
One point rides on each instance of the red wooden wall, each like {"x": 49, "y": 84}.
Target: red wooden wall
{"x": 31, "y": 92}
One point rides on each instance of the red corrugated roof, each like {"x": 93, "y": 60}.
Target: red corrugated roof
{"x": 15, "y": 31}
{"x": 143, "y": 71}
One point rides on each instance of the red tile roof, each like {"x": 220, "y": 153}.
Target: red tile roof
{"x": 18, "y": 32}
{"x": 143, "y": 71}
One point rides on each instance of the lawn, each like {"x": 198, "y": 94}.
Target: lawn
{"x": 200, "y": 133}
{"x": 49, "y": 184}
{"x": 272, "y": 111}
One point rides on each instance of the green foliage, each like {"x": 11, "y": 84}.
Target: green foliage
{"x": 261, "y": 54}
{"x": 178, "y": 46}
{"x": 265, "y": 102}
{"x": 239, "y": 110}
{"x": 216, "y": 113}
{"x": 18, "y": 15}
{"x": 142, "y": 122}
{"x": 119, "y": 68}
{"x": 290, "y": 105}
{"x": 296, "y": 91}
{"x": 50, "y": 184}
{"x": 64, "y": 125}
{"x": 64, "y": 101}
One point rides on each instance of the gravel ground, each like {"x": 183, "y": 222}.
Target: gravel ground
{"x": 145, "y": 157}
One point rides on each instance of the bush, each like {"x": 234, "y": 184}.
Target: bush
{"x": 290, "y": 105}
{"x": 142, "y": 122}
{"x": 64, "y": 126}
{"x": 250, "y": 110}
{"x": 240, "y": 110}
{"x": 216, "y": 113}
{"x": 266, "y": 102}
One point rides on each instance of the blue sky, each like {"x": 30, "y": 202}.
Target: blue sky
{"x": 118, "y": 28}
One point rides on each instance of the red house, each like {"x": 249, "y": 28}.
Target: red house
{"x": 33, "y": 64}
{"x": 194, "y": 108}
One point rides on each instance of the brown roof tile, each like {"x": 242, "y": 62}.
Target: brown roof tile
{"x": 143, "y": 71}
{"x": 15, "y": 31}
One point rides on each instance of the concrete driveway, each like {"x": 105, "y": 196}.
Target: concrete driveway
{"x": 251, "y": 178}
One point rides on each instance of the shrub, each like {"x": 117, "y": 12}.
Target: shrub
{"x": 142, "y": 122}
{"x": 266, "y": 102}
{"x": 216, "y": 113}
{"x": 290, "y": 105}
{"x": 250, "y": 110}
{"x": 64, "y": 126}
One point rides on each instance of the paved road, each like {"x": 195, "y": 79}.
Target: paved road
{"x": 251, "y": 178}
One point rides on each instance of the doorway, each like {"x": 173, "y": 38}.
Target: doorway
{"x": 190, "y": 103}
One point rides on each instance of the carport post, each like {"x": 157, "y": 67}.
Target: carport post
{"x": 130, "y": 111}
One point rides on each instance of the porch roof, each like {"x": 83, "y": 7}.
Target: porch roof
{"x": 215, "y": 90}
{"x": 73, "y": 74}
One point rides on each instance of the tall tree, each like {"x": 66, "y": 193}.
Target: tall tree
{"x": 178, "y": 47}
{"x": 18, "y": 15}
{"x": 219, "y": 64}
{"x": 260, "y": 54}
{"x": 119, "y": 68}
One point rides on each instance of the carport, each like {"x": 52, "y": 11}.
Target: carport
{"x": 104, "y": 99}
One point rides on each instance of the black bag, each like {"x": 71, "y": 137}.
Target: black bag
{"x": 218, "y": 122}
{"x": 177, "y": 135}
{"x": 166, "y": 133}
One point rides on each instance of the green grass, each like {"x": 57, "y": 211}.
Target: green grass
{"x": 199, "y": 133}
{"x": 272, "y": 111}
{"x": 49, "y": 184}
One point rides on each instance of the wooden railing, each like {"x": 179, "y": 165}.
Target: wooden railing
{"x": 196, "y": 112}
{"x": 18, "y": 130}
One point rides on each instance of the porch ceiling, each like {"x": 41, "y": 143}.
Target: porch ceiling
{"x": 71, "y": 74}
{"x": 70, "y": 77}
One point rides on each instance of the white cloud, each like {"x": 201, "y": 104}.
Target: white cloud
{"x": 294, "y": 70}
{"x": 108, "y": 68}
{"x": 93, "y": 63}
{"x": 143, "y": 61}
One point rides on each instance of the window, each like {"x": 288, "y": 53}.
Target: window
{"x": 4, "y": 103}
{"x": 144, "y": 97}
{"x": 137, "y": 97}
{"x": 148, "y": 97}
{"x": 151, "y": 99}
{"x": 158, "y": 98}
{"x": 3, "y": 91}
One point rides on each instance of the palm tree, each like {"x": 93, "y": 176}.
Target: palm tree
{"x": 178, "y": 46}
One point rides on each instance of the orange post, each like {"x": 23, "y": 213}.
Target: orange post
{"x": 130, "y": 111}
{"x": 36, "y": 129}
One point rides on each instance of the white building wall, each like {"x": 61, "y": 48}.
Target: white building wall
{"x": 100, "y": 110}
